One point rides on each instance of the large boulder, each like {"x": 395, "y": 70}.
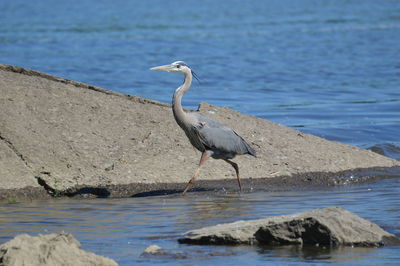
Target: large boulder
{"x": 50, "y": 249}
{"x": 72, "y": 138}
{"x": 331, "y": 226}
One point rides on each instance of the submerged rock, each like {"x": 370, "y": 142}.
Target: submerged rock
{"x": 155, "y": 251}
{"x": 50, "y": 249}
{"x": 331, "y": 226}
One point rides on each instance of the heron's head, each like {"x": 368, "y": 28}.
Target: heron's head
{"x": 178, "y": 66}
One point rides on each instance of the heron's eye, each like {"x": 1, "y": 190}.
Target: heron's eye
{"x": 178, "y": 66}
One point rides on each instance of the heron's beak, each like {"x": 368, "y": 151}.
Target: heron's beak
{"x": 167, "y": 68}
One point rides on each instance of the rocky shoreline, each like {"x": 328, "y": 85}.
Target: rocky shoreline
{"x": 320, "y": 228}
{"x": 332, "y": 226}
{"x": 65, "y": 138}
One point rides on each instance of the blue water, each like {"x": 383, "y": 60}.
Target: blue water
{"x": 330, "y": 68}
{"x": 123, "y": 228}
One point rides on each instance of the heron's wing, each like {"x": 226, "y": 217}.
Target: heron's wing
{"x": 217, "y": 136}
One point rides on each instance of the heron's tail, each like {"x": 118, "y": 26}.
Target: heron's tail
{"x": 250, "y": 150}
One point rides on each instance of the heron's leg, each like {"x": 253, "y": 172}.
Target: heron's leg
{"x": 204, "y": 157}
{"x": 236, "y": 167}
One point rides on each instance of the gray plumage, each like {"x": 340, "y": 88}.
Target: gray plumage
{"x": 221, "y": 139}
{"x": 210, "y": 137}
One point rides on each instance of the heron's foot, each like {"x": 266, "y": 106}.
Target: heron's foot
{"x": 236, "y": 167}
{"x": 204, "y": 157}
{"x": 188, "y": 186}
{"x": 240, "y": 184}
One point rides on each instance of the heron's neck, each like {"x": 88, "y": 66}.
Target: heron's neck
{"x": 179, "y": 114}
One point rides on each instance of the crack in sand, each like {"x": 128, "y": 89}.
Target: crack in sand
{"x": 14, "y": 149}
{"x": 51, "y": 191}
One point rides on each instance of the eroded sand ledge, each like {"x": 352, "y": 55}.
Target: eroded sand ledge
{"x": 61, "y": 137}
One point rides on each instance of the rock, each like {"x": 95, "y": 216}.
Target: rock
{"x": 331, "y": 226}
{"x": 50, "y": 249}
{"x": 154, "y": 251}
{"x": 71, "y": 138}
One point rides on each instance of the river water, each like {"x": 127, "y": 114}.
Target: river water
{"x": 123, "y": 228}
{"x": 329, "y": 68}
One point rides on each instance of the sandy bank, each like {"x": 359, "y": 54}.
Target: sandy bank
{"x": 68, "y": 138}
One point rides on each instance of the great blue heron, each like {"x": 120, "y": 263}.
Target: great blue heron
{"x": 210, "y": 137}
